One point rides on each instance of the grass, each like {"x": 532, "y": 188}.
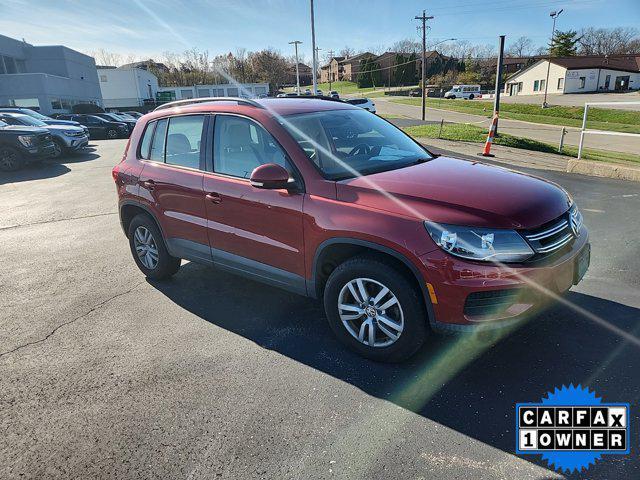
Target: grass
{"x": 617, "y": 120}
{"x": 471, "y": 133}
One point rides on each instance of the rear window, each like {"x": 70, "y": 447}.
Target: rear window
{"x": 157, "y": 146}
{"x": 146, "y": 140}
{"x": 358, "y": 101}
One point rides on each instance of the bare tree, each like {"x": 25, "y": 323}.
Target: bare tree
{"x": 521, "y": 47}
{"x": 347, "y": 51}
{"x": 609, "y": 41}
{"x": 106, "y": 58}
{"x": 407, "y": 46}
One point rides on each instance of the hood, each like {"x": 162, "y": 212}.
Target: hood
{"x": 54, "y": 121}
{"x": 65, "y": 128}
{"x": 461, "y": 192}
{"x": 18, "y": 129}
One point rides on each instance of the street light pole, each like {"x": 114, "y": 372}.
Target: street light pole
{"x": 553, "y": 15}
{"x": 314, "y": 51}
{"x": 296, "y": 43}
{"x": 424, "y": 19}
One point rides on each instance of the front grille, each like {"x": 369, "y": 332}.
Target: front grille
{"x": 490, "y": 303}
{"x": 44, "y": 138}
{"x": 553, "y": 236}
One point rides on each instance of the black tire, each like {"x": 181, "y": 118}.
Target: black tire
{"x": 452, "y": 97}
{"x": 10, "y": 159}
{"x": 59, "y": 150}
{"x": 111, "y": 134}
{"x": 410, "y": 299}
{"x": 166, "y": 265}
{"x": 471, "y": 97}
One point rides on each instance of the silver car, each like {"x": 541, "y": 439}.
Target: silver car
{"x": 66, "y": 138}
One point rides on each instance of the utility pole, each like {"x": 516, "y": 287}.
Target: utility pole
{"x": 317, "y": 57}
{"x": 330, "y": 69}
{"x": 496, "y": 101}
{"x": 314, "y": 51}
{"x": 553, "y": 15}
{"x": 424, "y": 19}
{"x": 296, "y": 43}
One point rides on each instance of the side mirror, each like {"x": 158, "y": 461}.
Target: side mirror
{"x": 270, "y": 176}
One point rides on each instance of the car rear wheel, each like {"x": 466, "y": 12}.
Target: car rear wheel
{"x": 375, "y": 310}
{"x": 148, "y": 249}
{"x": 471, "y": 97}
{"x": 112, "y": 133}
{"x": 10, "y": 159}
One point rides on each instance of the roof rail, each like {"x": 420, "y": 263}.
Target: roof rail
{"x": 188, "y": 101}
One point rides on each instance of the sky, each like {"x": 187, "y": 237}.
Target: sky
{"x": 147, "y": 28}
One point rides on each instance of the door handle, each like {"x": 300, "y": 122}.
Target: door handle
{"x": 149, "y": 184}
{"x": 214, "y": 197}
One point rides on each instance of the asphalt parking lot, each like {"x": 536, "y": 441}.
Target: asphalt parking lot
{"x": 106, "y": 375}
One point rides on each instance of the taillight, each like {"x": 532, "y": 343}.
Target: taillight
{"x": 115, "y": 173}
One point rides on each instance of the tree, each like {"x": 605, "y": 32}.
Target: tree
{"x": 369, "y": 75}
{"x": 347, "y": 52}
{"x": 564, "y": 44}
{"x": 269, "y": 66}
{"x": 407, "y": 47}
{"x": 405, "y": 71}
{"x": 522, "y": 47}
{"x": 609, "y": 41}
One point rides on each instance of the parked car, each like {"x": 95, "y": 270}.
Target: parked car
{"x": 468, "y": 92}
{"x": 135, "y": 115}
{"x": 43, "y": 118}
{"x": 66, "y": 138}
{"x": 114, "y": 117}
{"x": 334, "y": 94}
{"x": 99, "y": 127}
{"x": 365, "y": 103}
{"x": 326, "y": 200}
{"x": 22, "y": 145}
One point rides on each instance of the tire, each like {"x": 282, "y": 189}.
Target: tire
{"x": 10, "y": 159}
{"x": 410, "y": 308}
{"x": 452, "y": 97}
{"x": 59, "y": 149}
{"x": 111, "y": 134}
{"x": 471, "y": 97}
{"x": 165, "y": 265}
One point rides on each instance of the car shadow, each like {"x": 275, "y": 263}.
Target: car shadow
{"x": 469, "y": 383}
{"x": 49, "y": 167}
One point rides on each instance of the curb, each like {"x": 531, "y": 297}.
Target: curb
{"x": 598, "y": 169}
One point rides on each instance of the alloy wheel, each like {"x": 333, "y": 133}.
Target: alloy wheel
{"x": 146, "y": 247}
{"x": 112, "y": 134}
{"x": 8, "y": 160}
{"x": 370, "y": 312}
{"x": 57, "y": 150}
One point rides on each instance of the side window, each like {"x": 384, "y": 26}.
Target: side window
{"x": 240, "y": 145}
{"x": 146, "y": 140}
{"x": 183, "y": 140}
{"x": 157, "y": 146}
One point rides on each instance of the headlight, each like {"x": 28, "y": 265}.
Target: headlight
{"x": 27, "y": 140}
{"x": 484, "y": 244}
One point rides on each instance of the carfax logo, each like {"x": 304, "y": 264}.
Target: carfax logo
{"x": 572, "y": 428}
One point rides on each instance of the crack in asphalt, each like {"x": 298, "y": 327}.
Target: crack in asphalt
{"x": 73, "y": 320}
{"x": 44, "y": 222}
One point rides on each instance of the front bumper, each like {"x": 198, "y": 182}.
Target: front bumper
{"x": 509, "y": 293}
{"x": 42, "y": 150}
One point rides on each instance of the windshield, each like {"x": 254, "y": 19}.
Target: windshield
{"x": 34, "y": 114}
{"x": 345, "y": 143}
{"x": 27, "y": 120}
{"x": 2, "y": 124}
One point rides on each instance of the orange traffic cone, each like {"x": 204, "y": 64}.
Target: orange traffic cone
{"x": 492, "y": 131}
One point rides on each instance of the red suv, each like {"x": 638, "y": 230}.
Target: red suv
{"x": 327, "y": 200}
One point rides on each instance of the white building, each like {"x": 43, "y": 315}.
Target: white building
{"x": 577, "y": 75}
{"x": 51, "y": 78}
{"x": 222, "y": 90}
{"x": 126, "y": 87}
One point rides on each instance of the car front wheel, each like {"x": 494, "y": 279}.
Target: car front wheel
{"x": 375, "y": 310}
{"x": 10, "y": 159}
{"x": 112, "y": 133}
{"x": 58, "y": 149}
{"x": 148, "y": 249}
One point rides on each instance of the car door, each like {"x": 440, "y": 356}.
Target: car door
{"x": 171, "y": 183}
{"x": 255, "y": 231}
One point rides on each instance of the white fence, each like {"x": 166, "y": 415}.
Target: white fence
{"x": 585, "y": 131}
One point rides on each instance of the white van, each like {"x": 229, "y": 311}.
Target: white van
{"x": 463, "y": 91}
